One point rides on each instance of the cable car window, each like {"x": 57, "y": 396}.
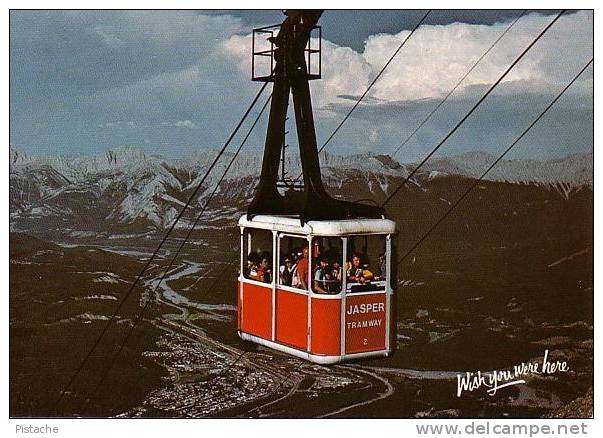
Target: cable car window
{"x": 327, "y": 264}
{"x": 366, "y": 265}
{"x": 258, "y": 255}
{"x": 293, "y": 262}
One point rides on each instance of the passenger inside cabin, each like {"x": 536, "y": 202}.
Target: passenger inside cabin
{"x": 264, "y": 272}
{"x": 287, "y": 271}
{"x": 322, "y": 276}
{"x": 336, "y": 274}
{"x": 355, "y": 273}
{"x": 302, "y": 270}
{"x": 253, "y": 262}
{"x": 327, "y": 276}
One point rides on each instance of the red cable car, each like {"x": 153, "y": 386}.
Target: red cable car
{"x": 342, "y": 309}
{"x": 316, "y": 278}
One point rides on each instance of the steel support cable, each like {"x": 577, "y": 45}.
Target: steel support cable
{"x": 177, "y": 253}
{"x": 477, "y": 104}
{"x": 150, "y": 260}
{"x": 431, "y": 113}
{"x": 476, "y": 182}
{"x": 363, "y": 95}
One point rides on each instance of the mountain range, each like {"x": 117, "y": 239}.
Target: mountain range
{"x": 127, "y": 189}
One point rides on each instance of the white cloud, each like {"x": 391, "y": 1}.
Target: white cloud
{"x": 437, "y": 56}
{"x": 185, "y": 124}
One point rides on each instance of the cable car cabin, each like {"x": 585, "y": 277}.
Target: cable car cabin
{"x": 321, "y": 291}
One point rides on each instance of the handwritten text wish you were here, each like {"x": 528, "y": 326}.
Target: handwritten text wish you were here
{"x": 495, "y": 380}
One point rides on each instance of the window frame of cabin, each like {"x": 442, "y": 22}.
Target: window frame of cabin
{"x": 246, "y": 244}
{"x": 279, "y": 235}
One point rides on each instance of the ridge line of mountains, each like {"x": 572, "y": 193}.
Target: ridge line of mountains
{"x": 130, "y": 187}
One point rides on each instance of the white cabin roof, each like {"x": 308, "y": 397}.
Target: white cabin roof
{"x": 320, "y": 228}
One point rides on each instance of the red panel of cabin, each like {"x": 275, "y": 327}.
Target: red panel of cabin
{"x": 326, "y": 327}
{"x": 239, "y": 303}
{"x": 365, "y": 323}
{"x": 256, "y": 317}
{"x": 292, "y": 319}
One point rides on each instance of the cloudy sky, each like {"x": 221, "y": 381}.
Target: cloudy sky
{"x": 176, "y": 82}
